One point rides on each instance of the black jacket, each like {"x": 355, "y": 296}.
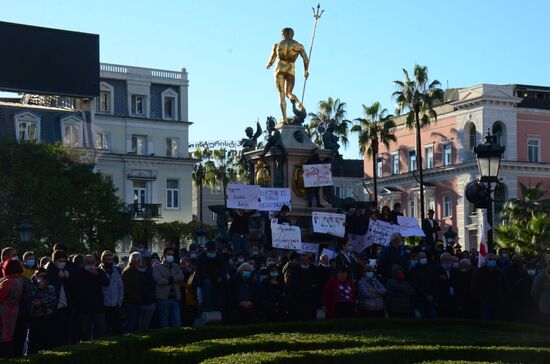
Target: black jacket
{"x": 89, "y": 299}
{"x": 430, "y": 231}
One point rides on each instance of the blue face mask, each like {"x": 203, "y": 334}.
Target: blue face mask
{"x": 370, "y": 275}
{"x": 30, "y": 263}
{"x": 491, "y": 263}
{"x": 350, "y": 250}
{"x": 413, "y": 262}
{"x": 230, "y": 262}
{"x": 447, "y": 265}
{"x": 211, "y": 255}
{"x": 246, "y": 274}
{"x": 423, "y": 261}
{"x": 273, "y": 274}
{"x": 194, "y": 255}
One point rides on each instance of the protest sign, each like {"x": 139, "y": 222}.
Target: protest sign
{"x": 329, "y": 223}
{"x": 408, "y": 226}
{"x": 359, "y": 242}
{"x": 331, "y": 254}
{"x": 286, "y": 237}
{"x": 380, "y": 232}
{"x": 309, "y": 248}
{"x": 272, "y": 199}
{"x": 243, "y": 196}
{"x": 317, "y": 175}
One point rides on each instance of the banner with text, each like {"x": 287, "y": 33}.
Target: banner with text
{"x": 317, "y": 175}
{"x": 286, "y": 237}
{"x": 408, "y": 226}
{"x": 380, "y": 232}
{"x": 329, "y": 223}
{"x": 359, "y": 242}
{"x": 331, "y": 254}
{"x": 309, "y": 248}
{"x": 272, "y": 199}
{"x": 243, "y": 196}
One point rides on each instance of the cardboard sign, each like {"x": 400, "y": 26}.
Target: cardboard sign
{"x": 310, "y": 248}
{"x": 408, "y": 226}
{"x": 380, "y": 232}
{"x": 272, "y": 199}
{"x": 243, "y": 196}
{"x": 317, "y": 175}
{"x": 359, "y": 242}
{"x": 331, "y": 254}
{"x": 329, "y": 223}
{"x": 286, "y": 237}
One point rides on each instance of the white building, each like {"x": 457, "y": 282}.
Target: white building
{"x": 141, "y": 135}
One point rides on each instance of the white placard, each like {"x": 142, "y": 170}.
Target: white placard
{"x": 286, "y": 237}
{"x": 329, "y": 223}
{"x": 380, "y": 232}
{"x": 272, "y": 199}
{"x": 359, "y": 242}
{"x": 317, "y": 175}
{"x": 408, "y": 226}
{"x": 310, "y": 248}
{"x": 243, "y": 196}
{"x": 331, "y": 254}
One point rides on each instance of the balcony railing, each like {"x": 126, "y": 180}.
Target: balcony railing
{"x": 145, "y": 211}
{"x": 140, "y": 71}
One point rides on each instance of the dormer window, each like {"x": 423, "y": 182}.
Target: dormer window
{"x": 105, "y": 101}
{"x": 71, "y": 131}
{"x": 138, "y": 105}
{"x": 27, "y": 127}
{"x": 169, "y": 104}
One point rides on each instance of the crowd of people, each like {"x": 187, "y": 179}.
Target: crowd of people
{"x": 64, "y": 298}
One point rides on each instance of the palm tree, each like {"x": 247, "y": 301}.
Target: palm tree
{"x": 376, "y": 127}
{"x": 199, "y": 173}
{"x": 221, "y": 169}
{"x": 533, "y": 201}
{"x": 331, "y": 111}
{"x": 417, "y": 98}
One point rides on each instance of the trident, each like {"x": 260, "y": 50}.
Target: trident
{"x": 316, "y": 15}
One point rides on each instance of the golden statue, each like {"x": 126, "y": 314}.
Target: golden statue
{"x": 287, "y": 51}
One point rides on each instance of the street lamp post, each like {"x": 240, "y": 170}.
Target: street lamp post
{"x": 25, "y": 234}
{"x": 489, "y": 154}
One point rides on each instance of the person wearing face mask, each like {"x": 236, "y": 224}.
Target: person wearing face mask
{"x": 29, "y": 264}
{"x": 241, "y": 296}
{"x": 489, "y": 289}
{"x": 345, "y": 259}
{"x": 324, "y": 271}
{"x": 131, "y": 276}
{"x": 445, "y": 291}
{"x": 339, "y": 296}
{"x": 392, "y": 255}
{"x": 210, "y": 277}
{"x": 399, "y": 295}
{"x": 189, "y": 306}
{"x": 168, "y": 276}
{"x": 11, "y": 290}
{"x": 371, "y": 295}
{"x": 422, "y": 279}
{"x": 466, "y": 305}
{"x": 148, "y": 292}
{"x": 64, "y": 282}
{"x": 113, "y": 294}
{"x": 273, "y": 304}
{"x": 43, "y": 306}
{"x": 302, "y": 289}
{"x": 91, "y": 314}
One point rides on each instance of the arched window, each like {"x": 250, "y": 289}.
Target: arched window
{"x": 472, "y": 137}
{"x": 500, "y": 132}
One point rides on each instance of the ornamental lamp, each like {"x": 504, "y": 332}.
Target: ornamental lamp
{"x": 25, "y": 232}
{"x": 489, "y": 154}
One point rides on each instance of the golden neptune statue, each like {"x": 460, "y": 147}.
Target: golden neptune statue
{"x": 287, "y": 51}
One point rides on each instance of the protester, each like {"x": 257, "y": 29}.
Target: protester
{"x": 11, "y": 289}
{"x": 431, "y": 229}
{"x": 489, "y": 289}
{"x": 445, "y": 287}
{"x": 132, "y": 302}
{"x": 113, "y": 294}
{"x": 147, "y": 288}
{"x": 339, "y": 295}
{"x": 241, "y": 296}
{"x": 168, "y": 276}
{"x": 211, "y": 277}
{"x": 345, "y": 259}
{"x": 399, "y": 295}
{"x": 239, "y": 230}
{"x": 283, "y": 216}
{"x": 394, "y": 254}
{"x": 371, "y": 295}
{"x": 541, "y": 294}
{"x": 397, "y": 211}
{"x": 42, "y": 314}
{"x": 29, "y": 264}
{"x": 422, "y": 279}
{"x": 89, "y": 300}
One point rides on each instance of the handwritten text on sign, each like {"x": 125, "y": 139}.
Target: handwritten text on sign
{"x": 329, "y": 223}
{"x": 272, "y": 199}
{"x": 409, "y": 226}
{"x": 380, "y": 232}
{"x": 317, "y": 175}
{"x": 286, "y": 237}
{"x": 310, "y": 248}
{"x": 243, "y": 196}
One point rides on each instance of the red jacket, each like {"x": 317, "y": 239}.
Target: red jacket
{"x": 330, "y": 295}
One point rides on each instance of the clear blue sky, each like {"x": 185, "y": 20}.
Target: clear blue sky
{"x": 361, "y": 47}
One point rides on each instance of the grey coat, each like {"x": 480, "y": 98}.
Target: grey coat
{"x": 541, "y": 292}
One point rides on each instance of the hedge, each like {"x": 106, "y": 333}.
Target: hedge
{"x": 130, "y": 348}
{"x": 392, "y": 354}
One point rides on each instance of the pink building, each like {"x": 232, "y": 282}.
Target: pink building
{"x": 520, "y": 117}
